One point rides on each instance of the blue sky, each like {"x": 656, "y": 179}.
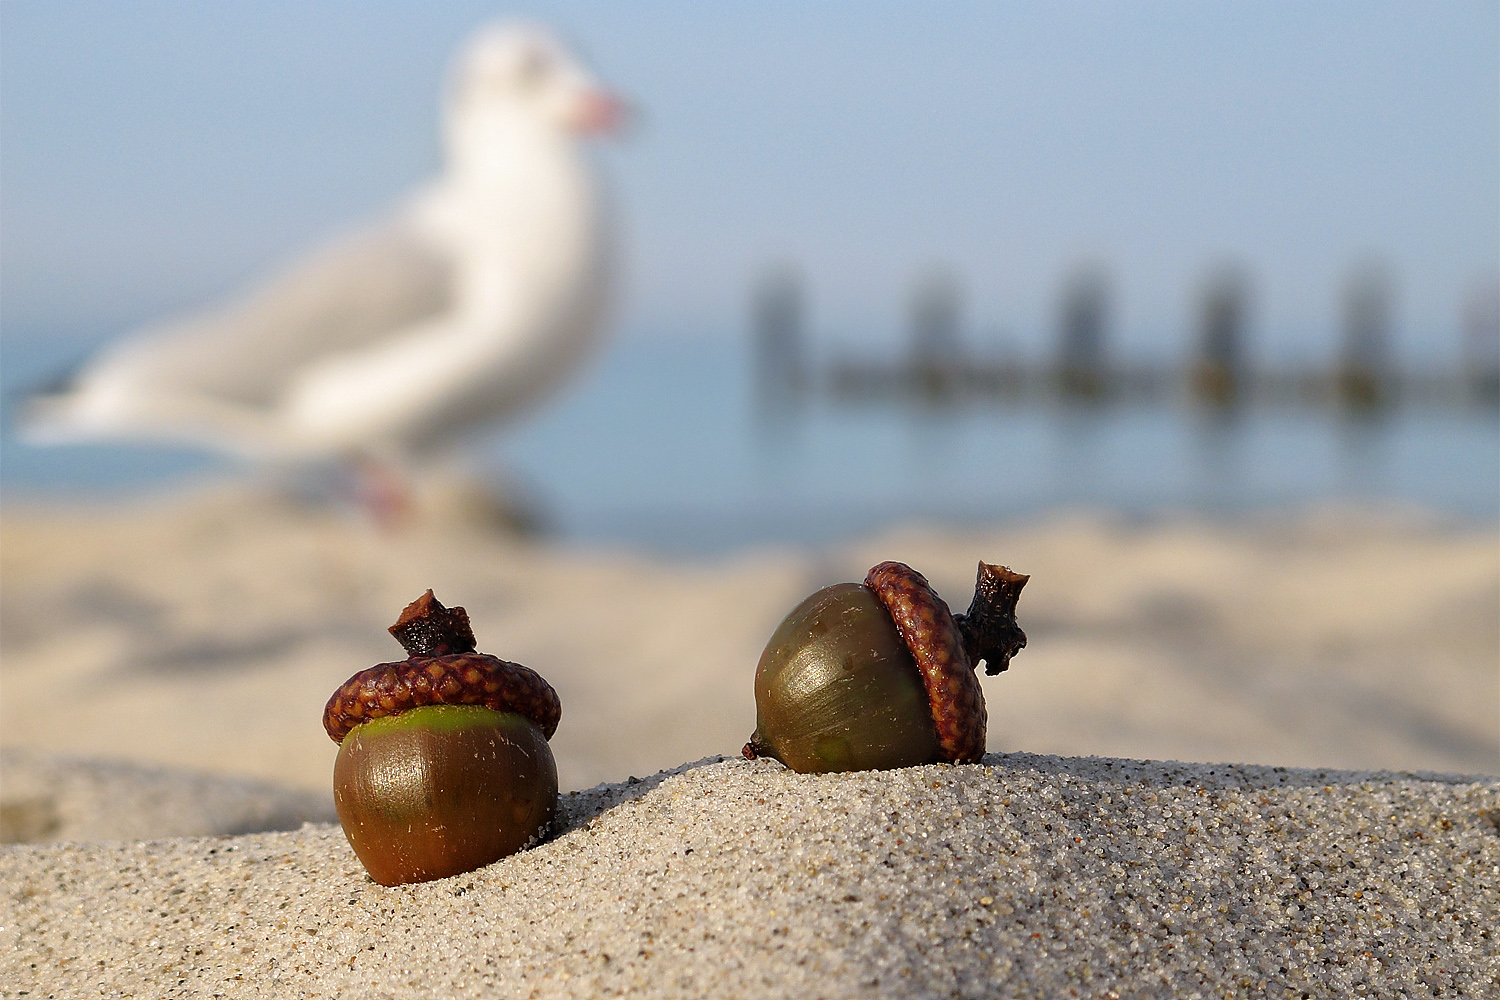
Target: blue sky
{"x": 157, "y": 155}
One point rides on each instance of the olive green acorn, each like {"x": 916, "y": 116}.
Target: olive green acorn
{"x": 881, "y": 675}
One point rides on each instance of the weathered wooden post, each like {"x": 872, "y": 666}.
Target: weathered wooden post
{"x": 1219, "y": 368}
{"x": 776, "y": 319}
{"x": 936, "y": 354}
{"x": 1082, "y": 367}
{"x": 1364, "y": 375}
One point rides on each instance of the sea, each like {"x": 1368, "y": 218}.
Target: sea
{"x": 666, "y": 445}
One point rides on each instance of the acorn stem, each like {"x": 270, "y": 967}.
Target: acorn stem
{"x": 989, "y": 630}
{"x": 426, "y": 628}
{"x": 757, "y": 747}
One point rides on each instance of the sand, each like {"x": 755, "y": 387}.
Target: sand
{"x": 47, "y": 797}
{"x": 165, "y": 665}
{"x": 1023, "y": 876}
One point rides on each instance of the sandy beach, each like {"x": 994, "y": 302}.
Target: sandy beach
{"x": 165, "y": 666}
{"x": 1021, "y": 876}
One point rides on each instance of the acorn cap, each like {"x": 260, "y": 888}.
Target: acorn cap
{"x": 948, "y": 649}
{"x": 441, "y": 668}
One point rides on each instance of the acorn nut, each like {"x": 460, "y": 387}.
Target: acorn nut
{"x": 443, "y": 761}
{"x": 881, "y": 675}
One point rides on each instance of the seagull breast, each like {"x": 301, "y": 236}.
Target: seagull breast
{"x": 526, "y": 238}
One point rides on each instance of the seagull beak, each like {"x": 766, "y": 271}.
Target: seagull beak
{"x": 598, "y": 112}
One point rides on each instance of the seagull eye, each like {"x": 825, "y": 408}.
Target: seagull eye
{"x": 533, "y": 69}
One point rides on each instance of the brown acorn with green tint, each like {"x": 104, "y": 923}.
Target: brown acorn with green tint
{"x": 443, "y": 762}
{"x": 881, "y": 675}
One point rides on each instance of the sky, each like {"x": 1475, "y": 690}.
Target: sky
{"x": 157, "y": 156}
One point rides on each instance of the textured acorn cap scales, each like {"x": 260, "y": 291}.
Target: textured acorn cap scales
{"x": 948, "y": 649}
{"x": 441, "y": 668}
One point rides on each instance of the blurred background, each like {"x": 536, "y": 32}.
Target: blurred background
{"x": 1006, "y": 168}
{"x": 883, "y": 270}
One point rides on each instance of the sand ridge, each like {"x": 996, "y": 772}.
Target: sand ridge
{"x": 1025, "y": 876}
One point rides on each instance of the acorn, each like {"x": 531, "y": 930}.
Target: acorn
{"x": 882, "y": 675}
{"x": 443, "y": 761}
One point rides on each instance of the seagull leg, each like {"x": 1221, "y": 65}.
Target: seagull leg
{"x": 383, "y": 490}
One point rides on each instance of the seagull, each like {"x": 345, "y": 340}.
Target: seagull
{"x": 465, "y": 307}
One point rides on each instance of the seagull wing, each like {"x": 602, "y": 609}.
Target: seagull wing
{"x": 216, "y": 378}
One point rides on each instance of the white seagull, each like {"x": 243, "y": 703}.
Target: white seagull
{"x": 469, "y": 304}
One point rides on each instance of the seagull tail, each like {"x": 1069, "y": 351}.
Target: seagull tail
{"x": 90, "y": 414}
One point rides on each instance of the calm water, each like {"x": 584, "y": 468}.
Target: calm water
{"x": 663, "y": 445}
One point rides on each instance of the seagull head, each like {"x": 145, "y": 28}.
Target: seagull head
{"x": 514, "y": 75}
